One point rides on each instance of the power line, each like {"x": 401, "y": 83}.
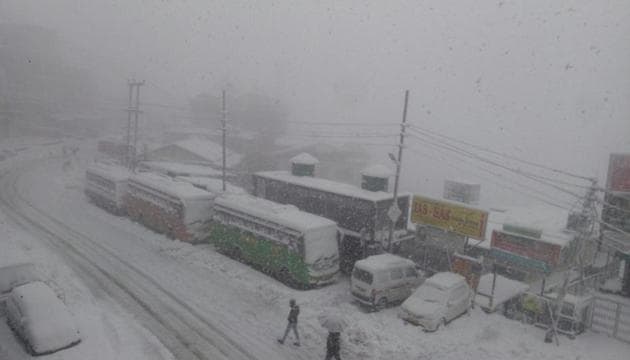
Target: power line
{"x": 481, "y": 148}
{"x": 354, "y": 124}
{"x": 469, "y": 154}
{"x": 545, "y": 197}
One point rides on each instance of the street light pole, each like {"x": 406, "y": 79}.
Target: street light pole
{"x": 395, "y": 210}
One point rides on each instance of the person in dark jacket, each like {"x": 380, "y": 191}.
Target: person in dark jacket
{"x": 332, "y": 346}
{"x": 292, "y": 323}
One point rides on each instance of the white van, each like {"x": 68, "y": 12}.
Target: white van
{"x": 382, "y": 279}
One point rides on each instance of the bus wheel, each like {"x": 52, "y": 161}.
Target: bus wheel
{"x": 284, "y": 275}
{"x": 237, "y": 253}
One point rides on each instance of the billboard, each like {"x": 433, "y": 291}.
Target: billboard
{"x": 526, "y": 247}
{"x": 459, "y": 219}
{"x": 507, "y": 257}
{"x": 461, "y": 191}
{"x": 619, "y": 172}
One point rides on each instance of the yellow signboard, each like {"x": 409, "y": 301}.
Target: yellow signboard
{"x": 459, "y": 219}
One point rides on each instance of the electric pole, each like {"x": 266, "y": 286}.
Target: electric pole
{"x": 135, "y": 110}
{"x": 585, "y": 229}
{"x": 394, "y": 211}
{"x": 223, "y": 130}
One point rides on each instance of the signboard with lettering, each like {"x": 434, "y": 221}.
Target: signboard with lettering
{"x": 509, "y": 258}
{"x": 468, "y": 267}
{"x": 527, "y": 247}
{"x": 463, "y": 220}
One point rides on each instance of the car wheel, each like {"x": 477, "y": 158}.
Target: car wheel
{"x": 381, "y": 303}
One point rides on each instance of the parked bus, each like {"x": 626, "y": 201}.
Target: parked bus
{"x": 106, "y": 186}
{"x": 175, "y": 208}
{"x": 299, "y": 248}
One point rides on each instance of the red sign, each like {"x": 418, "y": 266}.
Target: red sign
{"x": 467, "y": 267}
{"x": 527, "y": 247}
{"x": 619, "y": 172}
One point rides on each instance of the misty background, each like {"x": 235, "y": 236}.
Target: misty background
{"x": 545, "y": 81}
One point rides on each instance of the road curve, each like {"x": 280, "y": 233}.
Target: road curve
{"x": 182, "y": 329}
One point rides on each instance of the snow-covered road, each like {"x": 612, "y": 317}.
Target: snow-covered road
{"x": 112, "y": 259}
{"x": 200, "y": 304}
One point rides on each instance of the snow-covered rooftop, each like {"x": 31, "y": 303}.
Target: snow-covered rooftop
{"x": 328, "y": 185}
{"x": 551, "y": 221}
{"x": 445, "y": 280}
{"x": 182, "y": 169}
{"x": 285, "y": 215}
{"x": 109, "y": 171}
{"x": 304, "y": 159}
{"x": 209, "y": 150}
{"x": 180, "y": 189}
{"x": 383, "y": 261}
{"x": 210, "y": 184}
{"x": 504, "y": 290}
{"x": 377, "y": 170}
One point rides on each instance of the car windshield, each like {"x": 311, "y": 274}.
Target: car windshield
{"x": 362, "y": 275}
{"x": 430, "y": 293}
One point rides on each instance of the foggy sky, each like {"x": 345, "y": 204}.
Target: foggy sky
{"x": 548, "y": 81}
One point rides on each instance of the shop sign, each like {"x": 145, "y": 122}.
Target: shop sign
{"x": 463, "y": 220}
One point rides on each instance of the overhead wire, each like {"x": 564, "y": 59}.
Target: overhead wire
{"x": 481, "y": 148}
{"x": 544, "y": 197}
{"x": 472, "y": 155}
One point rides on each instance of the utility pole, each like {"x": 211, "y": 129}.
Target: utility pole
{"x": 128, "y": 138}
{"x": 585, "y": 231}
{"x": 394, "y": 211}
{"x": 135, "y": 110}
{"x": 223, "y": 130}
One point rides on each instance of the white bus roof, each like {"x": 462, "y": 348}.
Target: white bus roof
{"x": 178, "y": 189}
{"x": 210, "y": 184}
{"x": 329, "y": 186}
{"x": 284, "y": 215}
{"x": 110, "y": 172}
{"x": 383, "y": 262}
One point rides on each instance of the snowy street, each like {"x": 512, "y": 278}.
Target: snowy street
{"x": 202, "y": 305}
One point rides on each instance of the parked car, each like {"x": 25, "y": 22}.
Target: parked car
{"x": 41, "y": 319}
{"x": 379, "y": 280}
{"x": 443, "y": 297}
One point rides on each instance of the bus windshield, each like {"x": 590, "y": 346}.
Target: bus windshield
{"x": 320, "y": 244}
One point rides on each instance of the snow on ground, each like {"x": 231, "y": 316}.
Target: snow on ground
{"x": 253, "y": 307}
{"x": 108, "y": 332}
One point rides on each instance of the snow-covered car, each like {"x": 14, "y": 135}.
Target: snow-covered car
{"x": 382, "y": 279}
{"x": 40, "y": 319}
{"x": 443, "y": 297}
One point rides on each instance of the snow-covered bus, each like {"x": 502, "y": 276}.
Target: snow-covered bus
{"x": 106, "y": 186}
{"x": 299, "y": 248}
{"x": 175, "y": 208}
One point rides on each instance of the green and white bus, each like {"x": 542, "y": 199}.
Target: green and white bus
{"x": 299, "y": 248}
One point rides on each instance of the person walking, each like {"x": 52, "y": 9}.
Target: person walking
{"x": 292, "y": 323}
{"x": 332, "y": 346}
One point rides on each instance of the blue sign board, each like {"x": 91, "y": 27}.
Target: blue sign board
{"x": 521, "y": 261}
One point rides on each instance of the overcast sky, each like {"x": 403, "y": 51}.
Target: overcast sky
{"x": 544, "y": 80}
